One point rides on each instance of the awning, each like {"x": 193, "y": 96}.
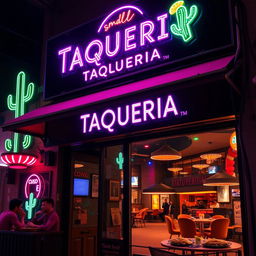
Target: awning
{"x": 34, "y": 122}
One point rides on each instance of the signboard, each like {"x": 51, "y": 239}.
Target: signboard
{"x": 128, "y": 42}
{"x": 161, "y": 107}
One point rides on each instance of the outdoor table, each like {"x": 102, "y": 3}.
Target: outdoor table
{"x": 234, "y": 247}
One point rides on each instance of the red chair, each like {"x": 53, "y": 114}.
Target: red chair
{"x": 219, "y": 229}
{"x": 170, "y": 225}
{"x": 188, "y": 228}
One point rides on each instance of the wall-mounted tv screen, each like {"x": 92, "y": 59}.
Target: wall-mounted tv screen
{"x": 213, "y": 169}
{"x": 134, "y": 181}
{"x": 81, "y": 187}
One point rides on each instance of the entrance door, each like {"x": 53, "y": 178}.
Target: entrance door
{"x": 84, "y": 220}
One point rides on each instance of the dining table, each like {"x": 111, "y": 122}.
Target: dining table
{"x": 201, "y": 222}
{"x": 233, "y": 247}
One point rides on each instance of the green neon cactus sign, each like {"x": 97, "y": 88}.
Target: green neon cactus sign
{"x": 184, "y": 20}
{"x": 30, "y": 204}
{"x": 120, "y": 161}
{"x": 18, "y": 106}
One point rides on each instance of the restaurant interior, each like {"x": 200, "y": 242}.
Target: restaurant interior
{"x": 196, "y": 176}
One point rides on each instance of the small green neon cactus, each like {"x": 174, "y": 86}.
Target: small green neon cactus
{"x": 184, "y": 21}
{"x": 30, "y": 205}
{"x": 22, "y": 96}
{"x": 120, "y": 160}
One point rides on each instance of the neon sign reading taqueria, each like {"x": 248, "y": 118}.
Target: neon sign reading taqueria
{"x": 141, "y": 112}
{"x": 132, "y": 40}
{"x": 135, "y": 43}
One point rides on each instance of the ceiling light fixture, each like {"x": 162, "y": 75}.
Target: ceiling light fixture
{"x": 200, "y": 166}
{"x": 79, "y": 165}
{"x": 210, "y": 157}
{"x": 18, "y": 160}
{"x": 165, "y": 153}
{"x": 221, "y": 179}
{"x": 175, "y": 169}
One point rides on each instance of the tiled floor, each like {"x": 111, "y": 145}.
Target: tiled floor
{"x": 151, "y": 235}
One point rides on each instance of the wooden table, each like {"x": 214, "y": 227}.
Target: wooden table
{"x": 202, "y": 222}
{"x": 234, "y": 247}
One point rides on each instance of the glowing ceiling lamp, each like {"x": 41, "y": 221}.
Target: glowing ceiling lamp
{"x": 175, "y": 169}
{"x": 165, "y": 153}
{"x": 221, "y": 179}
{"x": 200, "y": 166}
{"x": 18, "y": 160}
{"x": 77, "y": 165}
{"x": 210, "y": 157}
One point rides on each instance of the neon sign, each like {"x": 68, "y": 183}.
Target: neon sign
{"x": 131, "y": 114}
{"x": 34, "y": 184}
{"x": 18, "y": 106}
{"x": 120, "y": 160}
{"x": 133, "y": 39}
{"x": 30, "y": 205}
{"x": 96, "y": 60}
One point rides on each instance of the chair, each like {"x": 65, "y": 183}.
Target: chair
{"x": 170, "y": 225}
{"x": 219, "y": 229}
{"x": 208, "y": 229}
{"x": 154, "y": 214}
{"x": 184, "y": 216}
{"x": 140, "y": 217}
{"x": 218, "y": 217}
{"x": 188, "y": 228}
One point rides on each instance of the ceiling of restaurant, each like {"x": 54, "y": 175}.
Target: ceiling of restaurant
{"x": 186, "y": 145}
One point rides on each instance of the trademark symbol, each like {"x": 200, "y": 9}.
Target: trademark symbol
{"x": 184, "y": 113}
{"x": 166, "y": 57}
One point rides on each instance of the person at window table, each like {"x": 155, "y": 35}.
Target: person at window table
{"x": 47, "y": 218}
{"x": 14, "y": 218}
{"x": 165, "y": 207}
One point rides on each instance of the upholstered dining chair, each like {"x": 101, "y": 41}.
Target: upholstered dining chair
{"x": 218, "y": 217}
{"x": 140, "y": 217}
{"x": 170, "y": 225}
{"x": 219, "y": 229}
{"x": 184, "y": 216}
{"x": 188, "y": 228}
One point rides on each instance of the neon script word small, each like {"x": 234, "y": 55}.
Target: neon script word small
{"x": 123, "y": 18}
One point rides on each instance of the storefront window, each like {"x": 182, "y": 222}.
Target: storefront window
{"x": 176, "y": 179}
{"x": 112, "y": 194}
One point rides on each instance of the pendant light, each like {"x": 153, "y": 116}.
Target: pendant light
{"x": 159, "y": 189}
{"x": 221, "y": 178}
{"x": 175, "y": 169}
{"x": 165, "y": 153}
{"x": 200, "y": 166}
{"x": 210, "y": 157}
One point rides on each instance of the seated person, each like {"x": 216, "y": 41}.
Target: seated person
{"x": 47, "y": 218}
{"x": 14, "y": 218}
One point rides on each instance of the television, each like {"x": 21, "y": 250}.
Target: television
{"x": 81, "y": 187}
{"x": 134, "y": 181}
{"x": 213, "y": 169}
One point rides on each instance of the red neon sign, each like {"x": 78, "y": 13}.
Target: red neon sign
{"x": 34, "y": 184}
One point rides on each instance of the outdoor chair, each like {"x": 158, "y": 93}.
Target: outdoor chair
{"x": 171, "y": 228}
{"x": 188, "y": 228}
